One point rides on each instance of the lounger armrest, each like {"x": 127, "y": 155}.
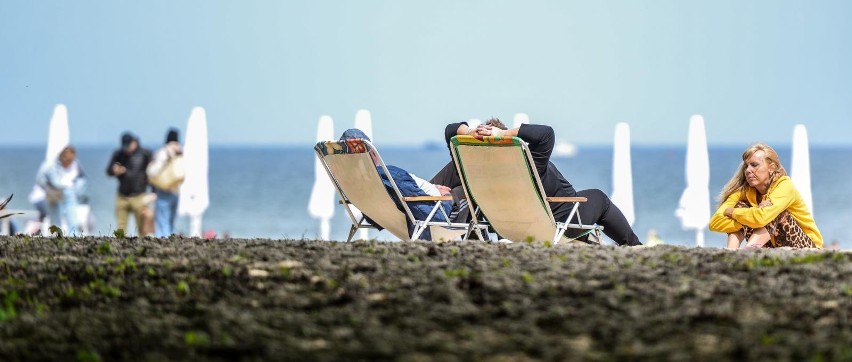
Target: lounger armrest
{"x": 427, "y": 198}
{"x": 567, "y": 199}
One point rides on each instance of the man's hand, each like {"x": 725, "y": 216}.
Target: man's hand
{"x": 118, "y": 169}
{"x": 489, "y": 131}
{"x": 474, "y": 132}
{"x": 444, "y": 190}
{"x": 482, "y": 131}
{"x": 496, "y": 132}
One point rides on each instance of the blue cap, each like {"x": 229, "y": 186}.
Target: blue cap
{"x": 353, "y": 133}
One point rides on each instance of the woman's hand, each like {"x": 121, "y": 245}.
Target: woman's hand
{"x": 765, "y": 203}
{"x": 729, "y": 212}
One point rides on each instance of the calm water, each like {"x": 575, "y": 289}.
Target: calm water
{"x": 264, "y": 192}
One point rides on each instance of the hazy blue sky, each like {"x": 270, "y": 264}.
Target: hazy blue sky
{"x": 267, "y": 70}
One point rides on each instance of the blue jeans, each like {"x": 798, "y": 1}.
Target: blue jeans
{"x": 65, "y": 209}
{"x": 165, "y": 210}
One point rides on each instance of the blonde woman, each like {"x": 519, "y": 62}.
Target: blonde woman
{"x": 760, "y": 206}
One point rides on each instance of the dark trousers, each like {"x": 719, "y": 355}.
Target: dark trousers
{"x": 597, "y": 210}
{"x": 449, "y": 177}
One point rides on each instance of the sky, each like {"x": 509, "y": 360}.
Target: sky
{"x": 265, "y": 71}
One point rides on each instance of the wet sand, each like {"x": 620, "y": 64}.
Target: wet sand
{"x": 105, "y": 299}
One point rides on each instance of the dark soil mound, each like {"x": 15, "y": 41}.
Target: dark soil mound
{"x": 155, "y": 299}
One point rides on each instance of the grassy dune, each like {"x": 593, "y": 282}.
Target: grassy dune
{"x": 151, "y": 299}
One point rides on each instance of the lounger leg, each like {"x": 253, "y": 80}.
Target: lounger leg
{"x": 446, "y": 217}
{"x": 352, "y": 231}
{"x": 471, "y": 226}
{"x": 559, "y": 232}
{"x": 419, "y": 227}
{"x": 432, "y": 213}
{"x": 480, "y": 235}
{"x": 574, "y": 211}
{"x": 562, "y": 227}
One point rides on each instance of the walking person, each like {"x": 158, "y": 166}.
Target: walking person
{"x": 166, "y": 173}
{"x": 128, "y": 164}
{"x": 64, "y": 183}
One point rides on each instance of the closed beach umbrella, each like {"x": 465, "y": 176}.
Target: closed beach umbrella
{"x": 364, "y": 122}
{"x": 519, "y": 119}
{"x": 694, "y": 205}
{"x": 622, "y": 172}
{"x": 58, "y": 135}
{"x": 321, "y": 205}
{"x": 194, "y": 192}
{"x": 800, "y": 165}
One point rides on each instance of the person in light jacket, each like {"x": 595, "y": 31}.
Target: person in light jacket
{"x": 64, "y": 183}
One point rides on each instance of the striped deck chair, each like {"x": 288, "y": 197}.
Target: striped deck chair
{"x": 350, "y": 165}
{"x": 499, "y": 176}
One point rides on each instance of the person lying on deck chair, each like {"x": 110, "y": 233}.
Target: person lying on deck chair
{"x": 541, "y": 138}
{"x": 410, "y": 185}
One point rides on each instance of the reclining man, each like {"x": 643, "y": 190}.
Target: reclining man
{"x": 541, "y": 138}
{"x": 410, "y": 185}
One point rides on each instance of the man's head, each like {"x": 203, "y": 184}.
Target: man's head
{"x": 495, "y": 122}
{"x": 129, "y": 143}
{"x": 172, "y": 135}
{"x": 354, "y": 133}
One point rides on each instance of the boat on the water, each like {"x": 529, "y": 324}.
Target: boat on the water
{"x": 564, "y": 148}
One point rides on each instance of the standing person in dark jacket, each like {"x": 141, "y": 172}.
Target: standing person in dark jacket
{"x": 540, "y": 138}
{"x": 128, "y": 165}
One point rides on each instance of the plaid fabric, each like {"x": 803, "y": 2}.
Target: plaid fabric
{"x": 353, "y": 145}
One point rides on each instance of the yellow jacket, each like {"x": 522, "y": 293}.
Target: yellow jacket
{"x": 783, "y": 196}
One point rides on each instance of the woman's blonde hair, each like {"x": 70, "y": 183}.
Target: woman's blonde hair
{"x": 738, "y": 182}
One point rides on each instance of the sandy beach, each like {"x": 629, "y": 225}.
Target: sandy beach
{"x": 153, "y": 299}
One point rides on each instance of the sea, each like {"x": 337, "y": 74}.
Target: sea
{"x": 263, "y": 192}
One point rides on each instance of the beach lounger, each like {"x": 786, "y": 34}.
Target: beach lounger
{"x": 350, "y": 165}
{"x": 499, "y": 177}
